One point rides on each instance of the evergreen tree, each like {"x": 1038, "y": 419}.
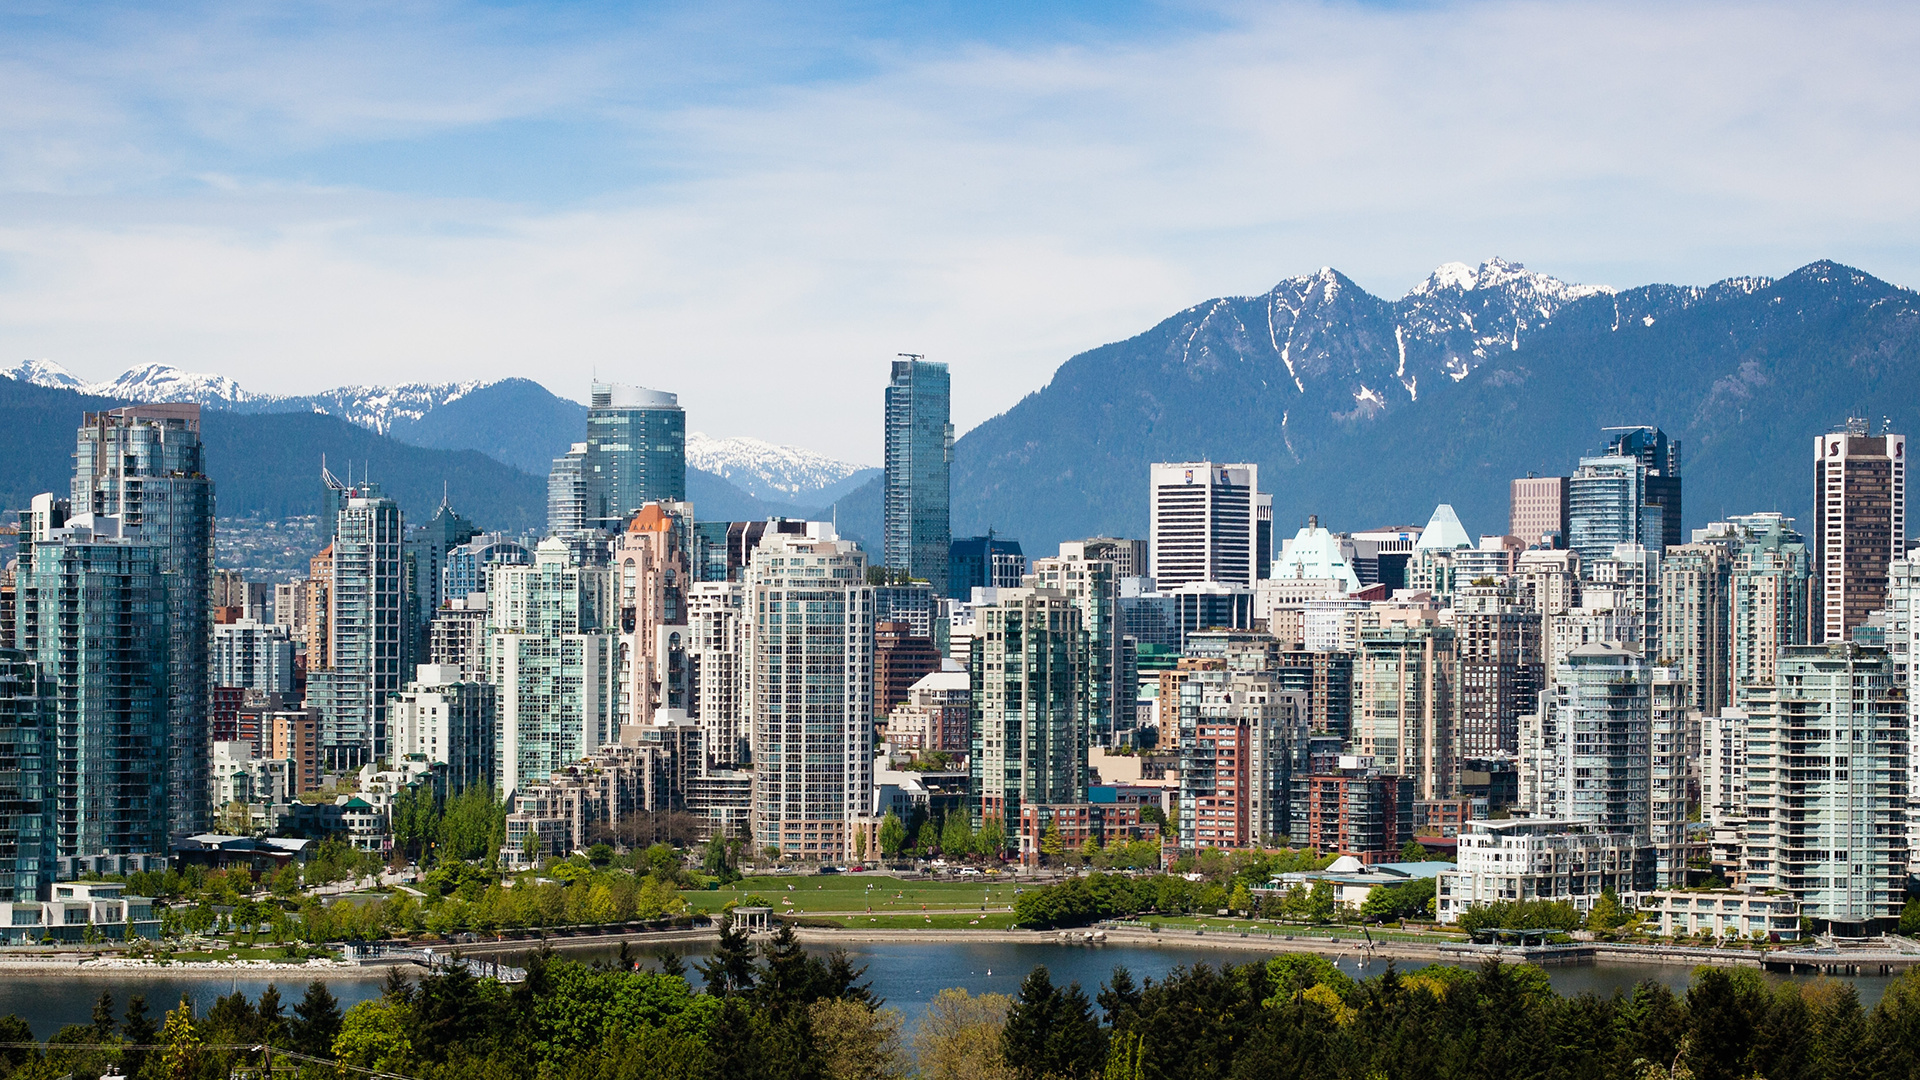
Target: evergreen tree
{"x": 730, "y": 970}
{"x": 671, "y": 965}
{"x": 138, "y": 1030}
{"x": 397, "y": 988}
{"x": 843, "y": 981}
{"x": 792, "y": 978}
{"x": 15, "y": 1030}
{"x": 1118, "y": 998}
{"x": 1051, "y": 1033}
{"x": 316, "y": 1020}
{"x": 273, "y": 1020}
{"x": 103, "y": 1017}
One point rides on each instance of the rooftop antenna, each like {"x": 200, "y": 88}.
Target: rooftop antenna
{"x": 912, "y": 355}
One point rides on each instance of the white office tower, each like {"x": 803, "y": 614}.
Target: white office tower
{"x": 1674, "y": 736}
{"x": 1694, "y": 618}
{"x": 717, "y": 670}
{"x": 1204, "y": 525}
{"x": 810, "y": 692}
{"x": 1827, "y": 786}
{"x": 551, "y": 656}
{"x": 1588, "y": 756}
{"x": 447, "y": 717}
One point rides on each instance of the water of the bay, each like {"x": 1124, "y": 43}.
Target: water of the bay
{"x": 908, "y": 976}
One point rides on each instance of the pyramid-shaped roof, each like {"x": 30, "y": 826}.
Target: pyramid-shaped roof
{"x": 1443, "y": 531}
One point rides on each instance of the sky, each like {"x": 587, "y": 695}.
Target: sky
{"x": 758, "y": 206}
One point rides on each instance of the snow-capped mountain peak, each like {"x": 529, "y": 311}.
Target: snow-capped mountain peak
{"x": 163, "y": 382}
{"x": 44, "y": 373}
{"x": 767, "y": 470}
{"x": 1498, "y": 273}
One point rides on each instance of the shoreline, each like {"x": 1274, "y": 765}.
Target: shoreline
{"x": 121, "y": 969}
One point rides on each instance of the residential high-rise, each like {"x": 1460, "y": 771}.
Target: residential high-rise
{"x": 650, "y": 561}
{"x": 1242, "y": 740}
{"x": 636, "y": 453}
{"x": 27, "y": 752}
{"x": 369, "y": 643}
{"x": 900, "y": 660}
{"x": 983, "y": 562}
{"x": 1827, "y": 782}
{"x": 1673, "y": 775}
{"x": 1859, "y": 524}
{"x": 1695, "y": 613}
{"x": 1497, "y": 645}
{"x": 253, "y": 656}
{"x": 809, "y": 644}
{"x": 1537, "y": 511}
{"x": 1029, "y": 716}
{"x": 567, "y": 493}
{"x": 93, "y": 610}
{"x": 443, "y": 715}
{"x": 427, "y": 549}
{"x": 717, "y": 670}
{"x": 1607, "y": 505}
{"x": 1597, "y": 753}
{"x": 144, "y": 465}
{"x": 457, "y": 637}
{"x": 552, "y": 656}
{"x": 1769, "y": 586}
{"x": 1204, "y": 528}
{"x": 1403, "y": 699}
{"x": 917, "y": 501}
{"x": 467, "y": 564}
{"x": 1089, "y": 581}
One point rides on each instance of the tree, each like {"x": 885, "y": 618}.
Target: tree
{"x": 1607, "y": 913}
{"x": 856, "y": 1041}
{"x": 956, "y": 836}
{"x": 1051, "y": 1033}
{"x": 376, "y": 1035}
{"x": 860, "y": 845}
{"x": 316, "y": 1020}
{"x": 1153, "y": 815}
{"x": 959, "y": 1038}
{"x": 730, "y": 970}
{"x": 139, "y": 1031}
{"x": 893, "y": 835}
{"x": 992, "y": 841}
{"x": 1052, "y": 844}
{"x": 1412, "y": 851}
{"x": 530, "y": 846}
{"x": 1241, "y": 900}
{"x": 1910, "y": 918}
{"x": 103, "y": 1016}
{"x": 182, "y": 1045}
{"x": 718, "y": 859}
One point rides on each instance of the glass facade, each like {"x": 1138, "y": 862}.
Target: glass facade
{"x": 919, "y": 462}
{"x": 636, "y": 453}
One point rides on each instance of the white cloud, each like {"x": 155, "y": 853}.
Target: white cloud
{"x": 1000, "y": 209}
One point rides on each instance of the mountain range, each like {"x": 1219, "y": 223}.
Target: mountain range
{"x": 1362, "y": 410}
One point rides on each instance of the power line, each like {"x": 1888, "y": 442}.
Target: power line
{"x": 252, "y": 1048}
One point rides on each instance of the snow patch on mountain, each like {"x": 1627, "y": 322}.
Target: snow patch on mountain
{"x": 769, "y": 471}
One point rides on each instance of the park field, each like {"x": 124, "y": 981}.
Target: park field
{"x": 855, "y": 894}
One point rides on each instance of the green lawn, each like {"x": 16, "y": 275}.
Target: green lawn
{"x": 992, "y": 920}
{"x": 1257, "y": 928}
{"x": 840, "y": 893}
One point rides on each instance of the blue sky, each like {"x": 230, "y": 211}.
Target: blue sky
{"x": 757, "y": 205}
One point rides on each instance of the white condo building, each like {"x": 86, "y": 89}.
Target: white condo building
{"x": 551, "y": 656}
{"x": 809, "y": 636}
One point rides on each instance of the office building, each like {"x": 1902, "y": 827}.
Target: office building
{"x": 983, "y": 562}
{"x": 809, "y": 644}
{"x": 428, "y": 547}
{"x": 1317, "y": 556}
{"x": 636, "y": 453}
{"x": 1859, "y": 525}
{"x": 552, "y": 656}
{"x": 253, "y": 656}
{"x": 1029, "y": 729}
{"x": 28, "y": 748}
{"x": 1659, "y": 457}
{"x": 1537, "y": 511}
{"x": 916, "y": 604}
{"x": 1497, "y": 644}
{"x": 651, "y": 565}
{"x": 1203, "y": 523}
{"x": 1404, "y": 699}
{"x": 1695, "y": 619}
{"x": 369, "y": 644}
{"x": 1827, "y": 786}
{"x": 445, "y": 716}
{"x": 1129, "y": 557}
{"x": 144, "y": 465}
{"x": 916, "y": 500}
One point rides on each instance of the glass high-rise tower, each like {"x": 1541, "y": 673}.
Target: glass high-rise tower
{"x": 919, "y": 465}
{"x": 636, "y": 453}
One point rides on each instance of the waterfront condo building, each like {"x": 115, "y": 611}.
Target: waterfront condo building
{"x": 917, "y": 504}
{"x": 1859, "y": 525}
{"x": 1827, "y": 783}
{"x": 1695, "y": 614}
{"x": 552, "y": 658}
{"x": 28, "y": 845}
{"x": 809, "y": 646}
{"x": 1242, "y": 740}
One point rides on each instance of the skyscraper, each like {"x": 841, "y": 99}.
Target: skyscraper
{"x": 1029, "y": 715}
{"x": 551, "y": 656}
{"x": 1537, "y": 512}
{"x": 809, "y": 636}
{"x": 1203, "y": 523}
{"x": 567, "y": 492}
{"x": 1090, "y": 583}
{"x": 1694, "y": 613}
{"x": 144, "y": 465}
{"x": 27, "y": 746}
{"x": 1403, "y": 699}
{"x": 1497, "y": 643}
{"x": 636, "y": 453}
{"x": 369, "y": 641}
{"x": 650, "y": 560}
{"x": 1598, "y": 750}
{"x": 919, "y": 462}
{"x": 1859, "y": 524}
{"x": 1768, "y": 587}
{"x": 1660, "y": 457}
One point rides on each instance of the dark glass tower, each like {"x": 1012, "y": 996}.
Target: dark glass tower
{"x": 26, "y": 781}
{"x": 919, "y": 463}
